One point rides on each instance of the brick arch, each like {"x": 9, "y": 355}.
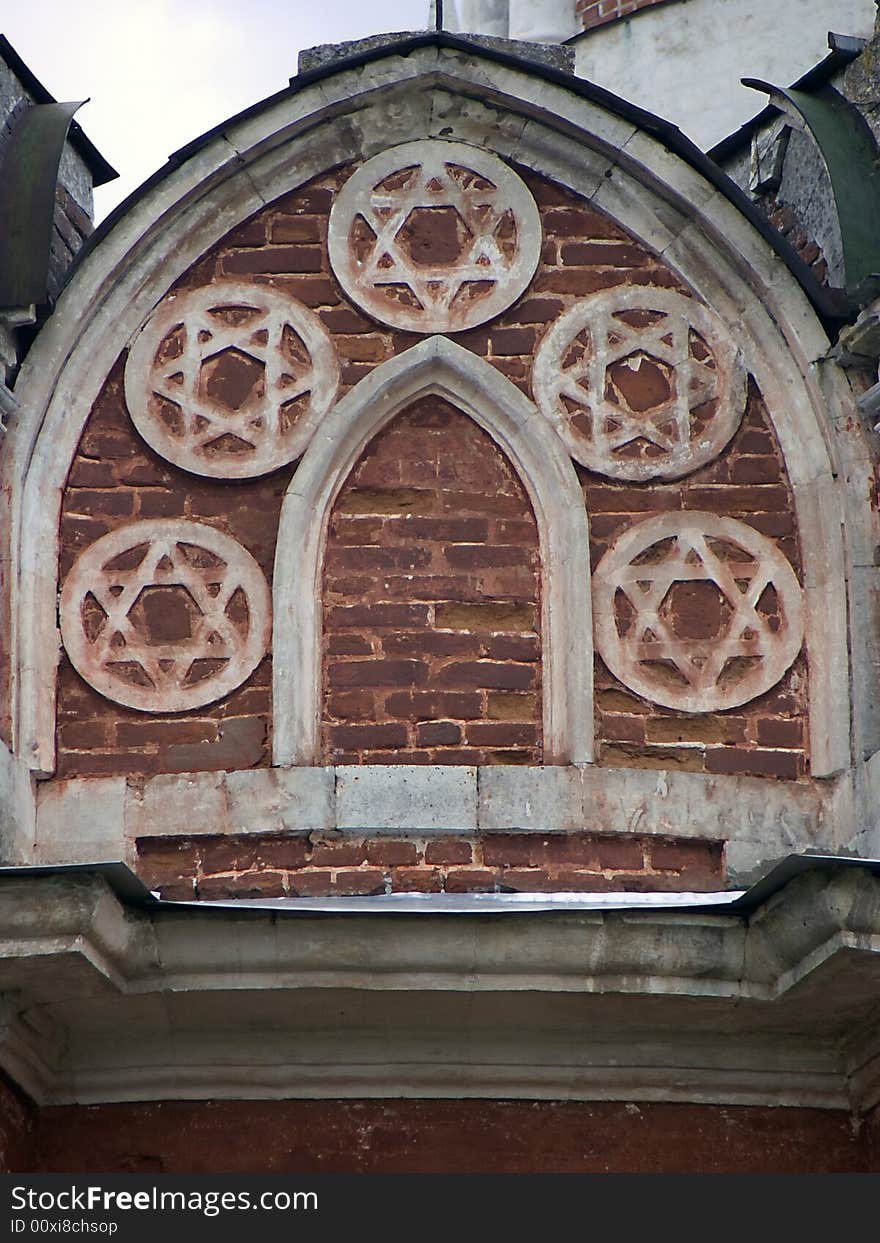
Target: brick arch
{"x": 435, "y": 366}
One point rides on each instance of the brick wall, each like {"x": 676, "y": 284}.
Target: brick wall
{"x": 593, "y": 13}
{"x": 432, "y": 602}
{"x": 439, "y": 1136}
{"x": 116, "y": 478}
{"x": 765, "y": 737}
{"x": 271, "y": 866}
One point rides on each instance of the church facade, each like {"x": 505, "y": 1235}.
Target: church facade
{"x": 440, "y": 648}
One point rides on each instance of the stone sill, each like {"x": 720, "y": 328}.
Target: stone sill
{"x": 93, "y": 819}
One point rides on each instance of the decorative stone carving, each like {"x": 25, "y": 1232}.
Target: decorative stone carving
{"x": 434, "y": 236}
{"x": 696, "y": 612}
{"x": 230, "y": 380}
{"x": 165, "y": 615}
{"x": 641, "y": 383}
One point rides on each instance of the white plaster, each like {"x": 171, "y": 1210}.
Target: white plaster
{"x": 495, "y": 404}
{"x": 403, "y": 797}
{"x": 685, "y": 61}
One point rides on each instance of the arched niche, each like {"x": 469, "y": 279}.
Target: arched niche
{"x": 435, "y": 366}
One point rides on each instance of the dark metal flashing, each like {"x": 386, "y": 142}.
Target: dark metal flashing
{"x": 844, "y": 50}
{"x": 848, "y": 150}
{"x": 741, "y": 904}
{"x": 101, "y": 170}
{"x": 829, "y": 307}
{"x": 28, "y": 177}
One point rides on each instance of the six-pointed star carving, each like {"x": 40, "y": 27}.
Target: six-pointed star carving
{"x": 258, "y": 417}
{"x": 481, "y": 207}
{"x": 694, "y": 381}
{"x": 646, "y": 561}
{"x": 213, "y": 635}
{"x": 651, "y": 636}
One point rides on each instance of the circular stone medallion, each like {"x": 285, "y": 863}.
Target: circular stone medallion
{"x": 434, "y": 237}
{"x": 696, "y": 612}
{"x": 230, "y": 380}
{"x": 165, "y": 615}
{"x": 641, "y": 383}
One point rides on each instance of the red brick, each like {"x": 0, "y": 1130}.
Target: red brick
{"x": 773, "y": 732}
{"x": 338, "y": 854}
{"x": 430, "y": 643}
{"x": 295, "y": 229}
{"x": 311, "y": 884}
{"x": 348, "y": 645}
{"x": 501, "y": 734}
{"x": 282, "y": 852}
{"x": 754, "y": 470}
{"x": 448, "y": 850}
{"x": 438, "y": 734}
{"x": 367, "y": 616}
{"x": 512, "y": 340}
{"x": 527, "y": 880}
{"x": 392, "y": 853}
{"x": 368, "y": 736}
{"x": 250, "y": 885}
{"x": 378, "y": 673}
{"x": 275, "y": 259}
{"x": 784, "y": 764}
{"x": 416, "y": 880}
{"x": 579, "y": 222}
{"x": 471, "y": 880}
{"x": 506, "y": 849}
{"x": 537, "y": 311}
{"x": 622, "y": 728}
{"x": 681, "y": 856}
{"x": 476, "y": 556}
{"x": 486, "y": 673}
{"x": 510, "y": 647}
{"x": 363, "y": 881}
{"x": 352, "y": 705}
{"x": 760, "y": 498}
{"x": 607, "y": 254}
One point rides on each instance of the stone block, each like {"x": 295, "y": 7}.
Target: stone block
{"x": 392, "y": 798}
{"x": 81, "y": 821}
{"x": 541, "y": 799}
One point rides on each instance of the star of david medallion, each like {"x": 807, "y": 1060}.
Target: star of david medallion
{"x": 641, "y": 383}
{"x": 696, "y": 612}
{"x": 165, "y": 615}
{"x": 434, "y": 237}
{"x": 230, "y": 380}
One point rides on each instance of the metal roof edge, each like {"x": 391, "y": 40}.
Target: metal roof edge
{"x": 102, "y": 171}
{"x": 132, "y": 892}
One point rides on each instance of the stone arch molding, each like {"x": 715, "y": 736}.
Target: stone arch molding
{"x": 580, "y": 142}
{"x": 435, "y": 366}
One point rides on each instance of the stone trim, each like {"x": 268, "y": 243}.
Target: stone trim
{"x": 351, "y": 115}
{"x": 426, "y": 1020}
{"x": 99, "y": 819}
{"x": 435, "y": 366}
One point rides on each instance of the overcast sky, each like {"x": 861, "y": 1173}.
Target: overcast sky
{"x": 160, "y": 72}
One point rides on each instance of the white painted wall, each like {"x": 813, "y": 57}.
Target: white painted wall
{"x": 684, "y": 61}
